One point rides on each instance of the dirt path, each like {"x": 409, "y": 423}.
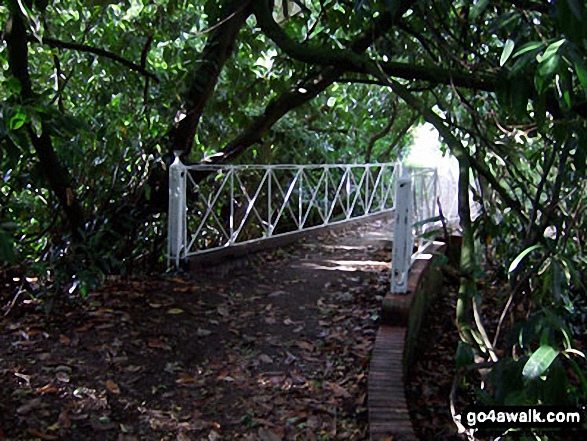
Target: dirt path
{"x": 277, "y": 348}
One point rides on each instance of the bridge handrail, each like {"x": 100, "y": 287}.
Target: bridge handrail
{"x": 355, "y": 190}
{"x": 309, "y": 196}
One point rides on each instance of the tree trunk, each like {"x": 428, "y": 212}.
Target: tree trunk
{"x": 56, "y": 175}
{"x": 468, "y": 288}
{"x": 219, "y": 48}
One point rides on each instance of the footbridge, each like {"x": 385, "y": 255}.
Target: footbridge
{"x": 214, "y": 207}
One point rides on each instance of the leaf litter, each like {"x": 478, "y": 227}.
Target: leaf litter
{"x": 277, "y": 350}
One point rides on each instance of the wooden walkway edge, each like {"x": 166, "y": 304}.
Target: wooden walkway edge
{"x": 389, "y": 417}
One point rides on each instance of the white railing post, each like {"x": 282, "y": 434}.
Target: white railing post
{"x": 403, "y": 241}
{"x": 176, "y": 218}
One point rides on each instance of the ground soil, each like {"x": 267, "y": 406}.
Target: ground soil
{"x": 276, "y": 347}
{"x": 430, "y": 378}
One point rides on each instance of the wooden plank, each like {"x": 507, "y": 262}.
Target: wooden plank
{"x": 389, "y": 417}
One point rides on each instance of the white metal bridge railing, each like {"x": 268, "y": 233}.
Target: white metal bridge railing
{"x": 415, "y": 217}
{"x": 215, "y": 206}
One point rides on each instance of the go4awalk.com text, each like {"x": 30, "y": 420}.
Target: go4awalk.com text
{"x": 481, "y": 417}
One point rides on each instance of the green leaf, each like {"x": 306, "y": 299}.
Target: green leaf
{"x": 521, "y": 256}
{"x": 478, "y": 9}
{"x": 13, "y": 85}
{"x": 507, "y": 51}
{"x": 504, "y": 21}
{"x": 553, "y": 49}
{"x": 549, "y": 65}
{"x": 530, "y": 46}
{"x": 539, "y": 362}
{"x": 17, "y": 121}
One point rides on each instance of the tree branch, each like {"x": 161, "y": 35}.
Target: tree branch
{"x": 316, "y": 83}
{"x": 382, "y": 133}
{"x": 51, "y": 42}
{"x": 399, "y": 136}
{"x": 456, "y": 147}
{"x": 218, "y": 49}
{"x": 350, "y": 60}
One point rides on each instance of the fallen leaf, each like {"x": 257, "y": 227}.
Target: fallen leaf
{"x": 304, "y": 345}
{"x": 63, "y": 421}
{"x": 290, "y": 358}
{"x": 185, "y": 288}
{"x": 203, "y": 332}
{"x": 62, "y": 376}
{"x": 102, "y": 311}
{"x": 24, "y": 377}
{"x": 276, "y": 293}
{"x": 214, "y": 436}
{"x": 85, "y": 328}
{"x": 38, "y": 434}
{"x": 185, "y": 379}
{"x": 112, "y": 387}
{"x": 264, "y": 358}
{"x": 268, "y": 435}
{"x": 46, "y": 389}
{"x": 158, "y": 344}
{"x": 338, "y": 391}
{"x": 133, "y": 369}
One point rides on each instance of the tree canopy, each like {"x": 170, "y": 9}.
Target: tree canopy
{"x": 97, "y": 95}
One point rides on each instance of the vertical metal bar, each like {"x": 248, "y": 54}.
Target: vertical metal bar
{"x": 300, "y": 204}
{"x": 382, "y": 187}
{"x": 232, "y": 171}
{"x": 402, "y": 242}
{"x": 348, "y": 191}
{"x": 436, "y": 191}
{"x": 269, "y": 199}
{"x": 176, "y": 218}
{"x": 326, "y": 206}
{"x": 367, "y": 206}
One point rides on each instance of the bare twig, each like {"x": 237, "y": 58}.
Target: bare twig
{"x": 51, "y": 42}
{"x": 482, "y": 331}
{"x": 224, "y": 20}
{"x": 510, "y": 299}
{"x": 444, "y": 226}
{"x": 14, "y": 300}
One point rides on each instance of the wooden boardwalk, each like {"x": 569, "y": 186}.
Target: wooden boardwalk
{"x": 388, "y": 409}
{"x": 389, "y": 417}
